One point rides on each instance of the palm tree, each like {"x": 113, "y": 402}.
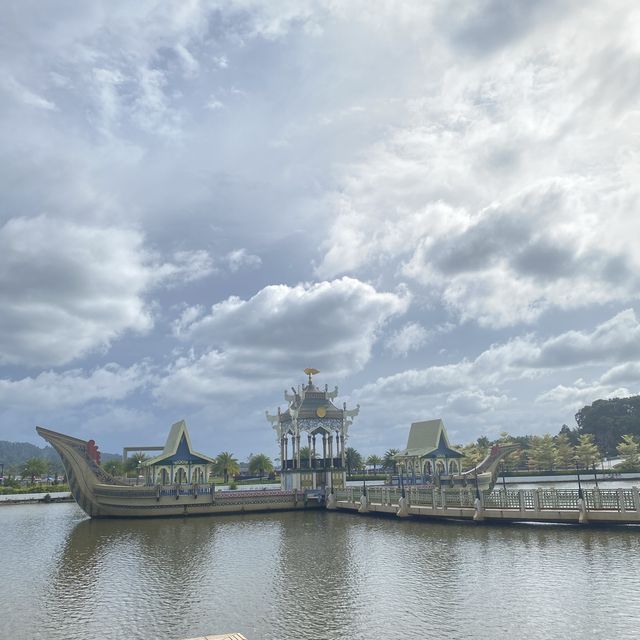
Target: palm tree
{"x": 389, "y": 460}
{"x": 34, "y": 467}
{"x": 113, "y": 467}
{"x": 352, "y": 459}
{"x": 374, "y": 461}
{"x": 226, "y": 465}
{"x": 259, "y": 463}
{"x": 133, "y": 462}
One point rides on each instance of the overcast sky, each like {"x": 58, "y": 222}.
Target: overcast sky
{"x": 436, "y": 204}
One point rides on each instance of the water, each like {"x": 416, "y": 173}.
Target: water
{"x": 310, "y": 576}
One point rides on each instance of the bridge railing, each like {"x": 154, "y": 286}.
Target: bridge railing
{"x": 521, "y": 499}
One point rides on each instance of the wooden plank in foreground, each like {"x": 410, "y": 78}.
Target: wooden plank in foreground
{"x": 224, "y": 636}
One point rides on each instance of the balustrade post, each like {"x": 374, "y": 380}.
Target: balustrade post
{"x": 536, "y": 500}
{"x": 597, "y": 498}
{"x": 443, "y": 498}
{"x": 621, "y": 505}
{"x": 521, "y": 499}
{"x": 635, "y": 492}
{"x": 433, "y": 498}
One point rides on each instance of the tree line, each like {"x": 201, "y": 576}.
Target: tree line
{"x": 31, "y": 471}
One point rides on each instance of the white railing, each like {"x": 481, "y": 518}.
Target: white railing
{"x": 620, "y": 500}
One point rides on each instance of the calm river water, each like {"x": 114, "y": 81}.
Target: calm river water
{"x": 314, "y": 575}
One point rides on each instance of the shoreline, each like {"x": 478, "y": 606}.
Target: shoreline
{"x": 36, "y": 498}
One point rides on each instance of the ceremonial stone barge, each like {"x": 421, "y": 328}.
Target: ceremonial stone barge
{"x": 175, "y": 483}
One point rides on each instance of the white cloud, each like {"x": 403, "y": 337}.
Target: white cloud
{"x": 241, "y": 258}
{"x": 328, "y": 325}
{"x": 474, "y": 402}
{"x": 628, "y": 373}
{"x": 581, "y": 393}
{"x": 213, "y": 103}
{"x": 23, "y": 94}
{"x": 499, "y": 194}
{"x": 616, "y": 340}
{"x": 410, "y": 337}
{"x": 52, "y": 391}
{"x": 189, "y": 62}
{"x": 185, "y": 266}
{"x": 67, "y": 289}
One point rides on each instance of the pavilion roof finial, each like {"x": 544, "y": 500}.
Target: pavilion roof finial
{"x": 311, "y": 372}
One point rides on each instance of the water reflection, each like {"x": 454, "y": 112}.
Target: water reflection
{"x": 310, "y": 576}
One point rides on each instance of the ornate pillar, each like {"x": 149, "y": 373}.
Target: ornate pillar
{"x": 286, "y": 449}
{"x": 294, "y": 457}
{"x": 309, "y": 446}
{"x": 298, "y": 450}
{"x": 282, "y": 458}
{"x": 330, "y": 451}
{"x": 314, "y": 446}
{"x": 324, "y": 450}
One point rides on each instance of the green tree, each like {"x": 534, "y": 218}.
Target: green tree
{"x": 260, "y": 463}
{"x": 587, "y": 451}
{"x": 304, "y": 455}
{"x": 389, "y": 461}
{"x": 375, "y": 461}
{"x": 565, "y": 452}
{"x": 134, "y": 461}
{"x": 629, "y": 450}
{"x": 55, "y": 468}
{"x": 572, "y": 434}
{"x": 513, "y": 460}
{"x": 608, "y": 420}
{"x": 34, "y": 467}
{"x": 353, "y": 459}
{"x": 473, "y": 454}
{"x": 542, "y": 453}
{"x": 114, "y": 467}
{"x": 226, "y": 465}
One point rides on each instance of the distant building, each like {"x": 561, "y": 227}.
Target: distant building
{"x": 178, "y": 463}
{"x": 428, "y": 452}
{"x": 312, "y": 420}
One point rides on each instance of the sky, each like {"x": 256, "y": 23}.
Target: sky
{"x": 436, "y": 204}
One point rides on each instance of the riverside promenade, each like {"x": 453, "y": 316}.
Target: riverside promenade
{"x": 564, "y": 506}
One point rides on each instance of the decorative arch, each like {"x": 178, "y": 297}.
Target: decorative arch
{"x": 163, "y": 476}
{"x": 428, "y": 468}
{"x": 196, "y": 476}
{"x": 180, "y": 476}
{"x": 440, "y": 468}
{"x": 453, "y": 466}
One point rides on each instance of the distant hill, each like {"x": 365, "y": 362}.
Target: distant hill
{"x": 14, "y": 454}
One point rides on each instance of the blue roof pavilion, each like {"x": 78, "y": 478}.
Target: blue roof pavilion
{"x": 178, "y": 463}
{"x": 428, "y": 450}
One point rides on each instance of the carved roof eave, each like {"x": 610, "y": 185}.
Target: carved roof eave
{"x": 350, "y": 413}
